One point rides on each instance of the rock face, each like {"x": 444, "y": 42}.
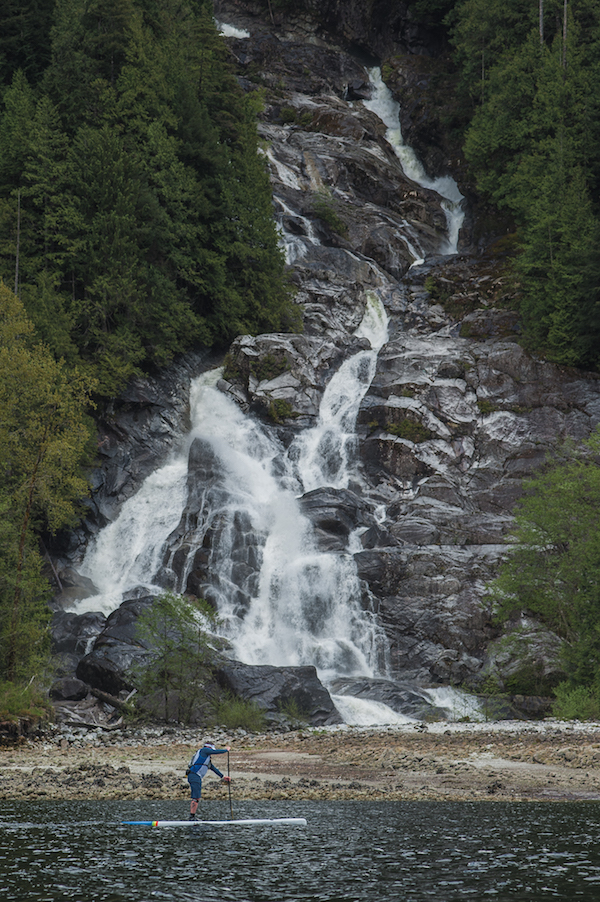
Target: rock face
{"x": 117, "y": 649}
{"x": 456, "y": 416}
{"x": 377, "y": 27}
{"x": 136, "y": 432}
{"x": 457, "y": 413}
{"x": 277, "y": 690}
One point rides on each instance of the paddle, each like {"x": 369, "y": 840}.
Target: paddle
{"x": 229, "y": 787}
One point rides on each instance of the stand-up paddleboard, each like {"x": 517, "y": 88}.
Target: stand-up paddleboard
{"x": 247, "y": 822}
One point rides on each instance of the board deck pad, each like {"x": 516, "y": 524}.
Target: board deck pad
{"x": 246, "y": 822}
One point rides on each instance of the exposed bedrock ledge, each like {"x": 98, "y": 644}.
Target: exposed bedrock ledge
{"x": 377, "y": 27}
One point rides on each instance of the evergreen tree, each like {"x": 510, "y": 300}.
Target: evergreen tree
{"x": 24, "y": 40}
{"x": 178, "y": 634}
{"x": 533, "y": 145}
{"x": 132, "y": 191}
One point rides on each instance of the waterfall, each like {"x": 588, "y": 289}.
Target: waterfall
{"x": 307, "y": 605}
{"x": 230, "y": 31}
{"x": 128, "y": 551}
{"x": 324, "y": 453}
{"x": 283, "y": 601}
{"x": 383, "y": 105}
{"x": 307, "y": 609}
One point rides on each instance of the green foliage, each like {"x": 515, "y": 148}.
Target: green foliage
{"x": 44, "y": 437}
{"x": 486, "y": 407}
{"x": 280, "y": 410}
{"x": 439, "y": 291}
{"x": 410, "y": 430}
{"x": 268, "y": 367}
{"x": 178, "y": 634}
{"x": 131, "y": 185}
{"x": 24, "y": 37}
{"x": 19, "y": 702}
{"x": 324, "y": 207}
{"x": 291, "y": 116}
{"x": 292, "y": 711}
{"x": 576, "y": 702}
{"x": 234, "y": 712}
{"x": 553, "y": 570}
{"x": 533, "y": 147}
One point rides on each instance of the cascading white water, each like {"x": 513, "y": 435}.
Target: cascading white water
{"x": 127, "y": 552}
{"x": 307, "y": 609}
{"x": 230, "y": 31}
{"x": 383, "y": 105}
{"x": 324, "y": 453}
{"x": 294, "y": 245}
{"x": 307, "y": 606}
{"x": 365, "y": 712}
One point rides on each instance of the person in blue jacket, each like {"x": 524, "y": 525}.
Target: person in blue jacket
{"x": 198, "y": 768}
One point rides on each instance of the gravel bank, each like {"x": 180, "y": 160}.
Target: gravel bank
{"x": 505, "y": 761}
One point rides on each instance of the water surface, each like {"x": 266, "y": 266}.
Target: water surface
{"x": 409, "y": 851}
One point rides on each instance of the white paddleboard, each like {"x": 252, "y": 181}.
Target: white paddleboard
{"x": 247, "y": 822}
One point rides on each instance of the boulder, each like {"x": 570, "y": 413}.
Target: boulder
{"x": 109, "y": 668}
{"x": 68, "y": 689}
{"x": 121, "y": 625}
{"x": 117, "y": 650}
{"x": 73, "y": 588}
{"x": 75, "y": 633}
{"x": 274, "y": 689}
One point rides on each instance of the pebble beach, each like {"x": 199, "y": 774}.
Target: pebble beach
{"x": 507, "y": 760}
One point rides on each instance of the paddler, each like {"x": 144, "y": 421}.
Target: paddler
{"x": 198, "y": 768}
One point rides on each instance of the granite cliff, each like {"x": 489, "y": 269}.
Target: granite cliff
{"x": 457, "y": 414}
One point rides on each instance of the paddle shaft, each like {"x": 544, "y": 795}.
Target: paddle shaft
{"x": 229, "y": 787}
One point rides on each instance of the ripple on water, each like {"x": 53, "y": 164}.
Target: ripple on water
{"x": 410, "y": 851}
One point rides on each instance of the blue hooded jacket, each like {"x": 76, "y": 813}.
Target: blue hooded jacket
{"x": 201, "y": 763}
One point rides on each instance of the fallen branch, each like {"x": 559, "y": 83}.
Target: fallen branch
{"x": 111, "y": 700}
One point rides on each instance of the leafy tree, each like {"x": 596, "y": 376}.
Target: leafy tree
{"x": 553, "y": 570}
{"x": 177, "y": 630}
{"x": 43, "y": 439}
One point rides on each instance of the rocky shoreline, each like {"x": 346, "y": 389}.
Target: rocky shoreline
{"x": 503, "y": 761}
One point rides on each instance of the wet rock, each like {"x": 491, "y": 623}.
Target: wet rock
{"x": 73, "y": 588}
{"x": 136, "y": 432}
{"x": 207, "y": 520}
{"x": 117, "y": 651}
{"x": 75, "y": 633}
{"x": 275, "y": 689}
{"x": 121, "y": 627}
{"x": 109, "y": 667}
{"x": 403, "y": 698}
{"x": 68, "y": 689}
{"x": 335, "y": 513}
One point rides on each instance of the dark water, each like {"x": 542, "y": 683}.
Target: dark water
{"x": 409, "y": 851}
